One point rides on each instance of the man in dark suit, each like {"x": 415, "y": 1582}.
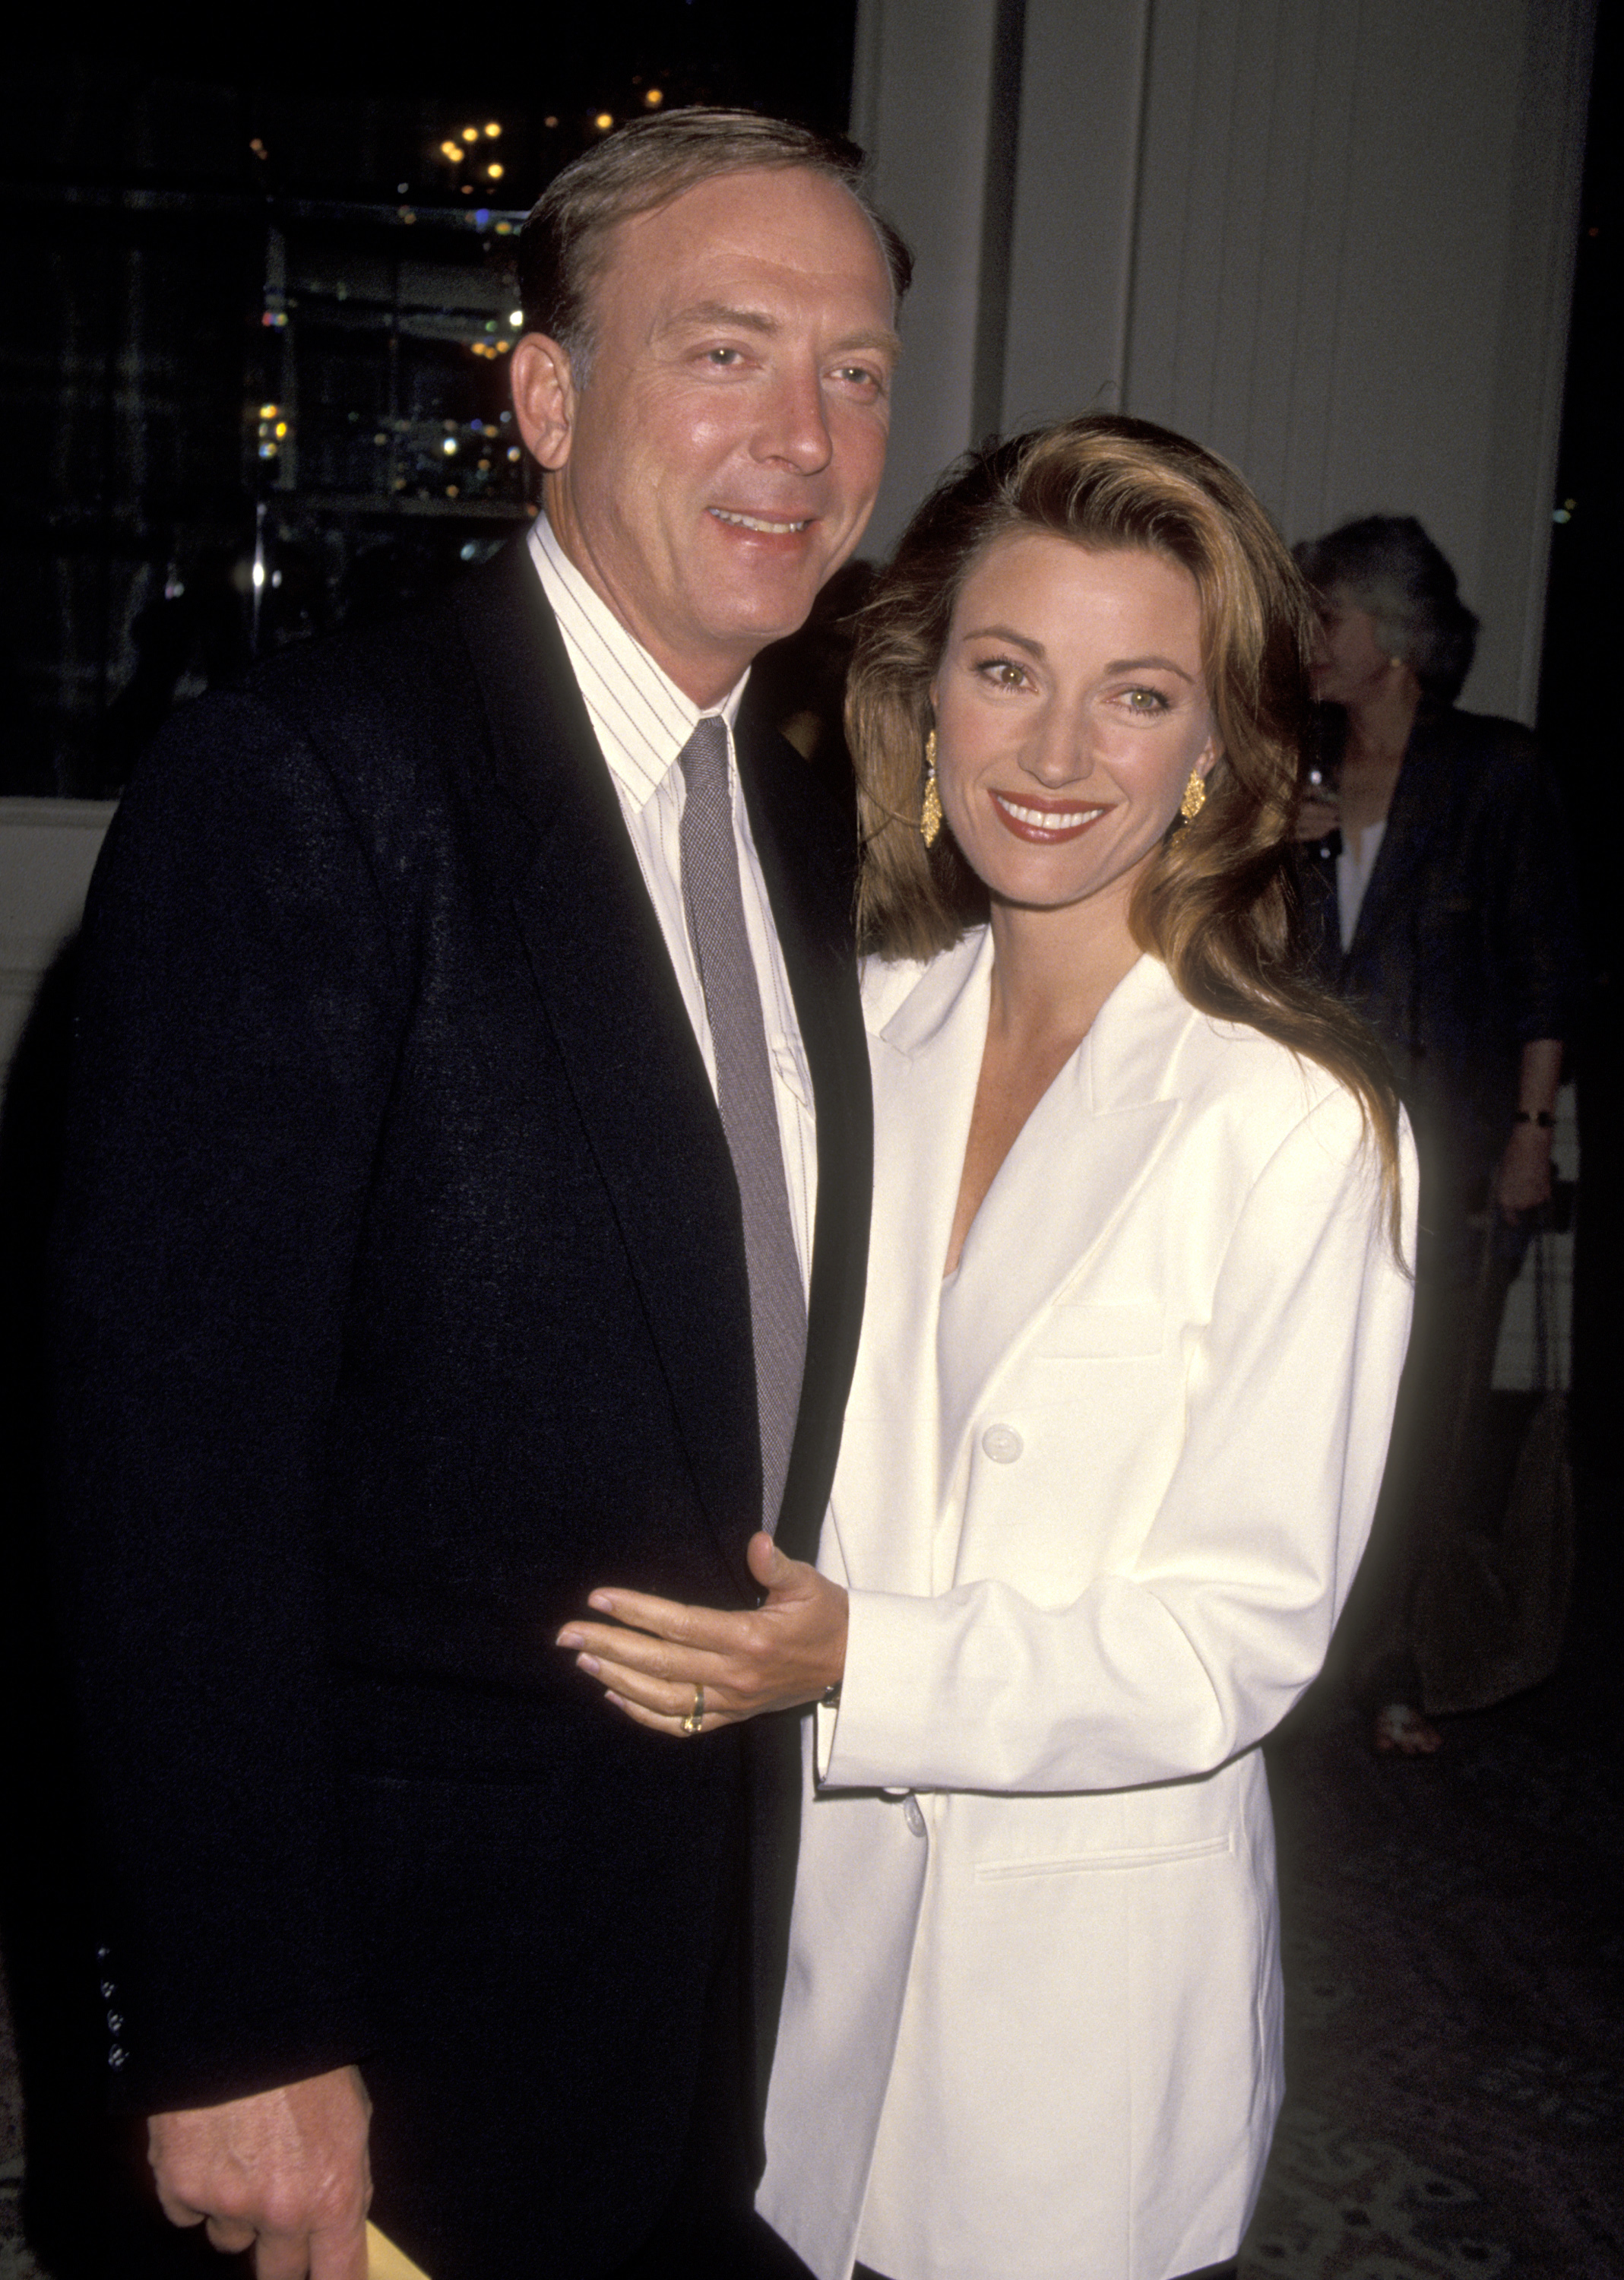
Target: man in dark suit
{"x": 465, "y": 1208}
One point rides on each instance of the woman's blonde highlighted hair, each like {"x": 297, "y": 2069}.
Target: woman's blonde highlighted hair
{"x": 1218, "y": 903}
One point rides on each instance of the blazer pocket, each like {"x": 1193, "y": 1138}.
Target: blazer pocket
{"x": 1149, "y": 1856}
{"x": 1085, "y": 1331}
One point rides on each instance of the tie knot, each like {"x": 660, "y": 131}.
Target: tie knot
{"x": 704, "y": 758}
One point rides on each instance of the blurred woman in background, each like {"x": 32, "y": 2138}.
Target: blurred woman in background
{"x": 1441, "y": 899}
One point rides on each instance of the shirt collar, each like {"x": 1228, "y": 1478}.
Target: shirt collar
{"x": 640, "y": 717}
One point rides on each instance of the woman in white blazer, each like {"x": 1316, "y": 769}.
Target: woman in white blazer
{"x": 1136, "y": 1313}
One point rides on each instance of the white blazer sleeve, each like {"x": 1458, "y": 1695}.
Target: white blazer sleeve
{"x": 1223, "y": 1619}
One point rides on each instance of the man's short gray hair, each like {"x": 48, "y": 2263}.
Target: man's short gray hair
{"x": 646, "y": 164}
{"x": 1387, "y": 565}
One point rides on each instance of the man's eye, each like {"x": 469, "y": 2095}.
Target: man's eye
{"x": 722, "y": 358}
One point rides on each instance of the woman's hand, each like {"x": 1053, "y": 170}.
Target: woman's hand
{"x": 655, "y": 1654}
{"x": 1523, "y": 1179}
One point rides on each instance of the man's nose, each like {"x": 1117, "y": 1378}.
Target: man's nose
{"x": 796, "y": 430}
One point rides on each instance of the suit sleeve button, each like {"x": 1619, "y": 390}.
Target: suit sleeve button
{"x": 1002, "y": 1443}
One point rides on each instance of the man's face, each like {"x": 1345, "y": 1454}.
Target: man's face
{"x": 722, "y": 458}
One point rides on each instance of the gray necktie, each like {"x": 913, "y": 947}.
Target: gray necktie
{"x": 715, "y": 911}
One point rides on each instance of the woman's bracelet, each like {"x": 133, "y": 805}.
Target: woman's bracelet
{"x": 1542, "y": 1117}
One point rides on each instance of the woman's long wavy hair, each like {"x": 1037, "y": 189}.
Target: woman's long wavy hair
{"x": 1218, "y": 903}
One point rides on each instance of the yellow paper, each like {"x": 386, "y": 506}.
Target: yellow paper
{"x": 385, "y": 2261}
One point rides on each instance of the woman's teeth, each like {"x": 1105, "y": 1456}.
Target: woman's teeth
{"x": 1045, "y": 818}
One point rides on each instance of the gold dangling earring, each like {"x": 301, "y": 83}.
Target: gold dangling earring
{"x": 930, "y": 810}
{"x": 1195, "y": 796}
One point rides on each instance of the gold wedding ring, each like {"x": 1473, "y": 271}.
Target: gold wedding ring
{"x": 696, "y": 1716}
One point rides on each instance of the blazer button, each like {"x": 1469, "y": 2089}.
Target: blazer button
{"x": 107, "y": 1991}
{"x": 1002, "y": 1443}
{"x": 914, "y": 1818}
{"x": 116, "y": 2057}
{"x": 115, "y": 2022}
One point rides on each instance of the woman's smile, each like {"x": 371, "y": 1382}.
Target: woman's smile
{"x": 1039, "y": 822}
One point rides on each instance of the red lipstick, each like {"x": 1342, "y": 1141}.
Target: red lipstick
{"x": 1020, "y": 817}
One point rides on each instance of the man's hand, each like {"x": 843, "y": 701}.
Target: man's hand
{"x": 784, "y": 1652}
{"x": 283, "y": 2173}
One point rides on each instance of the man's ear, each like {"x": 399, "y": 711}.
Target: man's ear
{"x": 544, "y": 398}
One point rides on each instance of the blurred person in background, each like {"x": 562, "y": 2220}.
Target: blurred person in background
{"x": 1441, "y": 901}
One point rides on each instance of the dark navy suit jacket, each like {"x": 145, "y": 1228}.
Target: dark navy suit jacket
{"x": 1466, "y": 947}
{"x": 403, "y": 1300}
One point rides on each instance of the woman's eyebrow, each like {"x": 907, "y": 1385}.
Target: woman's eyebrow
{"x": 1035, "y": 649}
{"x": 1150, "y": 664}
{"x": 1005, "y": 633}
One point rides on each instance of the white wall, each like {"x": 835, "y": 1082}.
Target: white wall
{"x": 48, "y": 850}
{"x": 1333, "y": 239}
{"x": 922, "y": 106}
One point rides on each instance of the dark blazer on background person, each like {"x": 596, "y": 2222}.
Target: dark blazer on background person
{"x": 1466, "y": 945}
{"x": 404, "y": 1298}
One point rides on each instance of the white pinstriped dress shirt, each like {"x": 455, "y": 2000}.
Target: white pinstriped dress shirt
{"x": 642, "y": 720}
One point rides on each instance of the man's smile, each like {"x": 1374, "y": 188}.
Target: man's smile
{"x": 760, "y": 522}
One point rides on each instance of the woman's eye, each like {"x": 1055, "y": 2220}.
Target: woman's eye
{"x": 1146, "y": 700}
{"x": 1003, "y": 673}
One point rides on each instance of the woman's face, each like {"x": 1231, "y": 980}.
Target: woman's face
{"x": 1349, "y": 662}
{"x": 1071, "y": 706}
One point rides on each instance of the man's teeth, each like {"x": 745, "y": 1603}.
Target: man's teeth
{"x": 1043, "y": 818}
{"x": 759, "y": 522}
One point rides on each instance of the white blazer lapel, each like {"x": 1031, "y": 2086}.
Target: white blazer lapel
{"x": 925, "y": 1059}
{"x": 1072, "y": 1171}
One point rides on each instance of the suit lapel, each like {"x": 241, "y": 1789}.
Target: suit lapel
{"x": 1391, "y": 893}
{"x": 811, "y": 901}
{"x": 927, "y": 1061}
{"x": 1075, "y": 1166}
{"x": 551, "y": 831}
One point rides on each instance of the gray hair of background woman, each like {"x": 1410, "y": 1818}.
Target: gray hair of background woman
{"x": 1387, "y": 565}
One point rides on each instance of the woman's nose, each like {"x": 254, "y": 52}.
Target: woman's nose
{"x": 1061, "y": 753}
